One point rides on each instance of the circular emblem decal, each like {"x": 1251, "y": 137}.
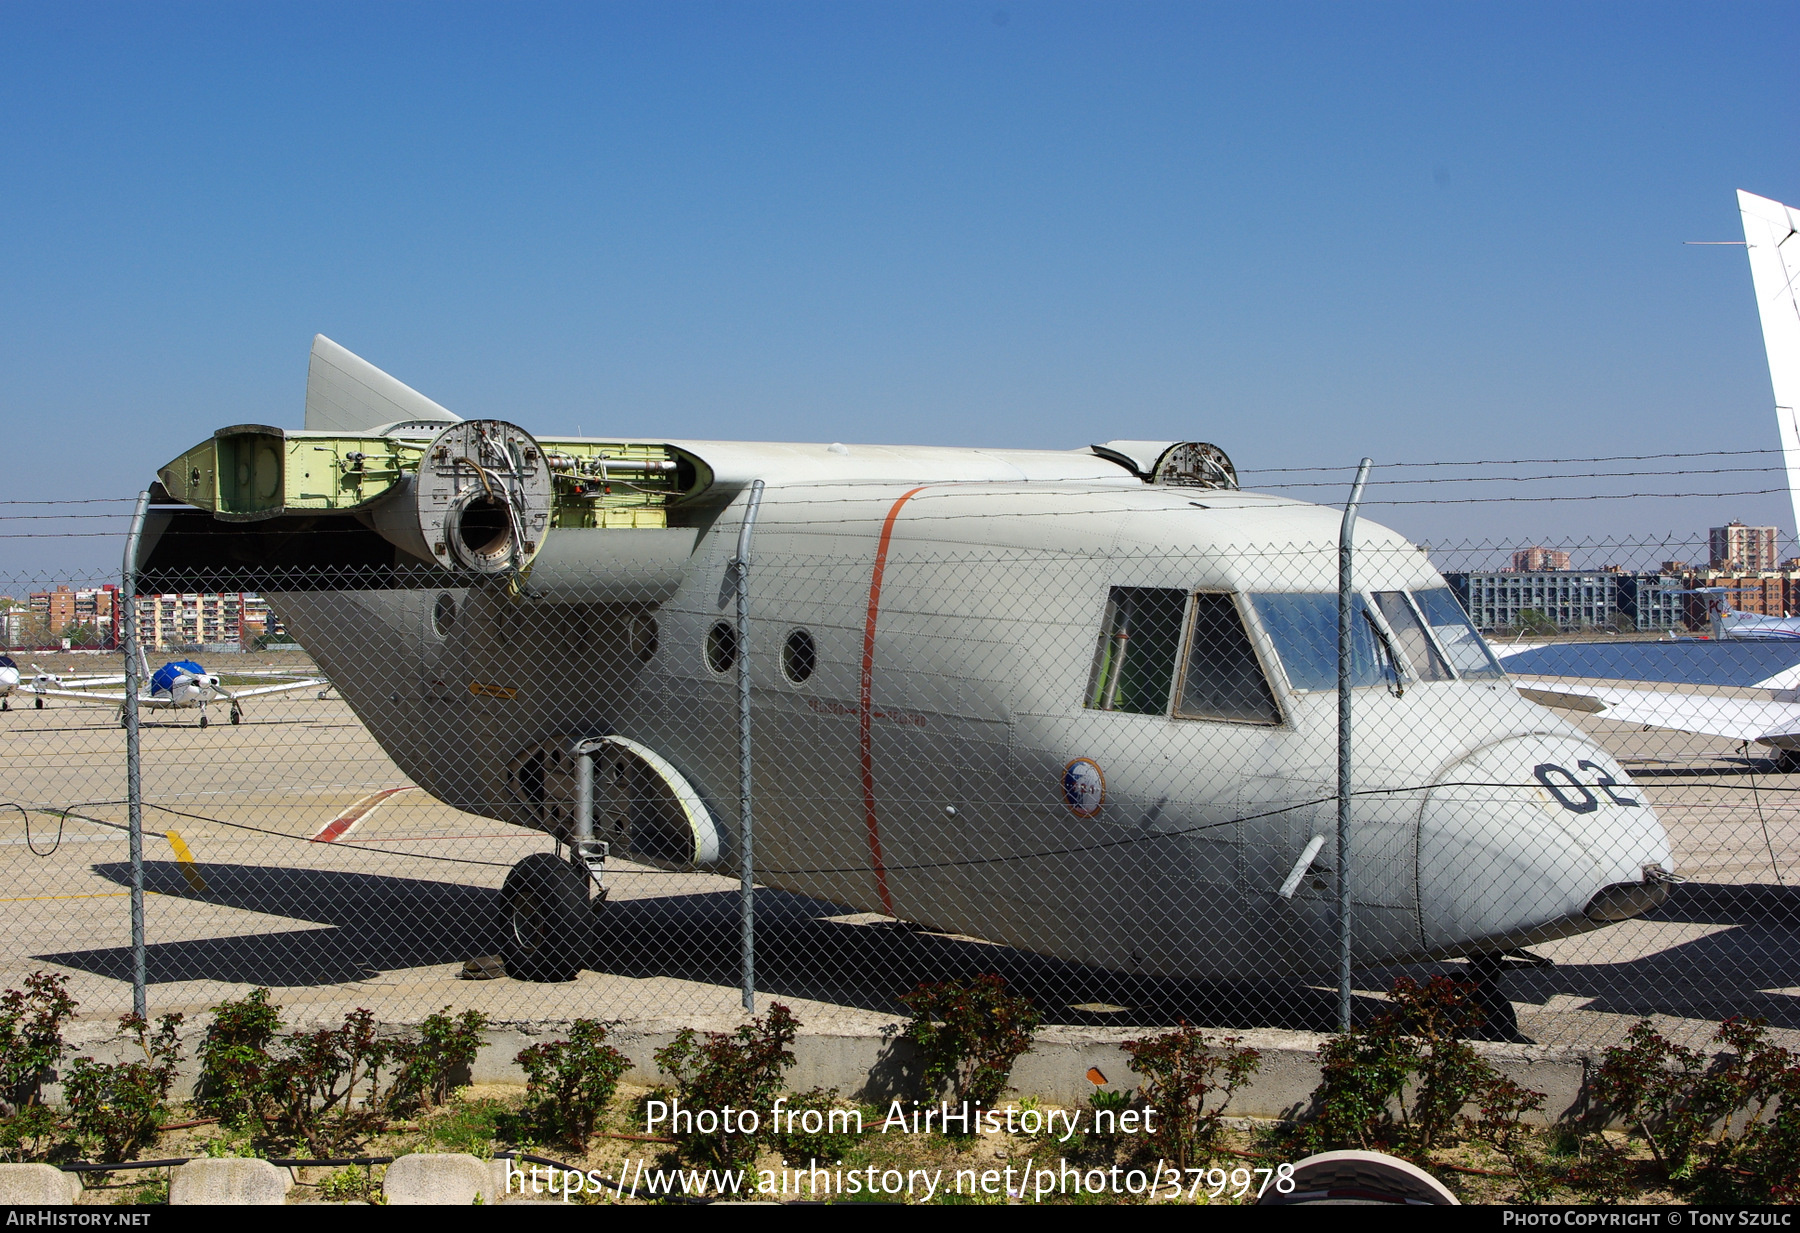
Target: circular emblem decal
{"x": 1084, "y": 787}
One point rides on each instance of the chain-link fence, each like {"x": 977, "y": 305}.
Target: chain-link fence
{"x": 1021, "y": 745}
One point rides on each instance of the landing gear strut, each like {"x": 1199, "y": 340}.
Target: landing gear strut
{"x": 1500, "y": 1021}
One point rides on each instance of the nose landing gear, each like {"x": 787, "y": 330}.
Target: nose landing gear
{"x": 1500, "y": 1020}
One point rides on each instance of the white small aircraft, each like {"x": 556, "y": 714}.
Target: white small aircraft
{"x": 178, "y": 684}
{"x": 1731, "y": 623}
{"x": 38, "y": 685}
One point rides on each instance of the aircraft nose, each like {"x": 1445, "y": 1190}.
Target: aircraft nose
{"x": 1535, "y": 837}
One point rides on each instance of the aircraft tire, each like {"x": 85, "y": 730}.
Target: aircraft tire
{"x": 545, "y": 901}
{"x": 237, "y": 716}
{"x": 40, "y": 703}
{"x": 203, "y": 721}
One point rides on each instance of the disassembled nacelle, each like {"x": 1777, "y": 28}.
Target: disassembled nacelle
{"x": 477, "y": 496}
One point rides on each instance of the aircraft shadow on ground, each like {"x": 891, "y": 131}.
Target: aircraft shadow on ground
{"x": 375, "y": 923}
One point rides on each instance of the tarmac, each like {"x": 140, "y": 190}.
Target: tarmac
{"x": 385, "y": 915}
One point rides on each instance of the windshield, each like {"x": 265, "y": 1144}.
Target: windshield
{"x": 1466, "y": 650}
{"x": 1304, "y": 629}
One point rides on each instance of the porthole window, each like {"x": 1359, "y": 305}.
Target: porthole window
{"x": 799, "y": 656}
{"x": 443, "y": 615}
{"x": 721, "y": 647}
{"x": 643, "y": 638}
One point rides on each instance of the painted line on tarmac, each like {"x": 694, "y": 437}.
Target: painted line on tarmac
{"x": 186, "y": 859}
{"x": 347, "y": 821}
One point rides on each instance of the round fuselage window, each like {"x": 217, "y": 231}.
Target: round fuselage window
{"x": 799, "y": 656}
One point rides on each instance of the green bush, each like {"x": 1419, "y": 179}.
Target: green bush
{"x": 425, "y": 1069}
{"x": 970, "y": 1032}
{"x": 323, "y": 1088}
{"x": 119, "y": 1108}
{"x": 234, "y": 1057}
{"x": 1188, "y": 1081}
{"x": 1403, "y": 1084}
{"x": 829, "y": 1140}
{"x": 569, "y": 1083}
{"x": 1725, "y": 1126}
{"x": 738, "y": 1070}
{"x": 31, "y": 1042}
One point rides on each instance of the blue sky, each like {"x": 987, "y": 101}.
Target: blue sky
{"x": 1304, "y": 232}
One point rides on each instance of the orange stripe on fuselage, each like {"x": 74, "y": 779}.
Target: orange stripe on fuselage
{"x": 865, "y": 714}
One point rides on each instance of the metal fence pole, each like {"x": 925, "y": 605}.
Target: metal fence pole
{"x": 746, "y": 864}
{"x": 1346, "y": 644}
{"x": 134, "y": 794}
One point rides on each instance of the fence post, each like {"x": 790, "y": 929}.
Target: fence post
{"x": 1346, "y": 647}
{"x": 134, "y": 794}
{"x": 740, "y": 565}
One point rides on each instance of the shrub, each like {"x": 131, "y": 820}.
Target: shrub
{"x": 23, "y": 1135}
{"x": 324, "y": 1088}
{"x": 1727, "y": 1125}
{"x": 970, "y": 1033}
{"x": 31, "y": 1042}
{"x": 830, "y": 1139}
{"x": 120, "y": 1107}
{"x": 234, "y": 1057}
{"x": 738, "y": 1070}
{"x": 1183, "y": 1071}
{"x": 1403, "y": 1084}
{"x": 570, "y": 1082}
{"x": 425, "y": 1069}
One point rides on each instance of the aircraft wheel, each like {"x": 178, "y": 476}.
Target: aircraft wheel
{"x": 237, "y": 716}
{"x": 1787, "y": 761}
{"x": 203, "y": 721}
{"x": 5, "y": 704}
{"x": 40, "y": 703}
{"x": 546, "y": 904}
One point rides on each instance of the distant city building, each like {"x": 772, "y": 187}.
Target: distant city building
{"x": 58, "y": 614}
{"x": 1539, "y": 559}
{"x": 1571, "y": 599}
{"x": 227, "y": 618}
{"x": 1746, "y": 549}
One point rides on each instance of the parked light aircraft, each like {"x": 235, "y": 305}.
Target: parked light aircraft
{"x": 178, "y": 685}
{"x": 41, "y": 683}
{"x": 1081, "y": 703}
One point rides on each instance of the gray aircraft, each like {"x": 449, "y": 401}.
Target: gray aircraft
{"x": 1081, "y": 703}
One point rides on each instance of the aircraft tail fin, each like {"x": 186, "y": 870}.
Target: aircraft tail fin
{"x": 346, "y": 393}
{"x": 1772, "y": 239}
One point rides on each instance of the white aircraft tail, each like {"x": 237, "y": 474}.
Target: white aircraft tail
{"x": 346, "y": 393}
{"x": 1772, "y": 238}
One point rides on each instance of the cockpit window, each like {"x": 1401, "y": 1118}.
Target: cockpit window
{"x": 1467, "y": 653}
{"x": 1304, "y": 629}
{"x": 1223, "y": 679}
{"x": 1415, "y": 643}
{"x": 1134, "y": 665}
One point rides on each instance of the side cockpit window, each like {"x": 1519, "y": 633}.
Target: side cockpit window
{"x": 1456, "y": 633}
{"x": 1134, "y": 665}
{"x": 1223, "y": 678}
{"x": 1136, "y": 662}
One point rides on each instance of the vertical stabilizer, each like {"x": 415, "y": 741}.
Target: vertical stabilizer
{"x": 1772, "y": 238}
{"x": 346, "y": 393}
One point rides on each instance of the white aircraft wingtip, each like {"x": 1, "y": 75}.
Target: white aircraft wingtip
{"x": 346, "y": 393}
